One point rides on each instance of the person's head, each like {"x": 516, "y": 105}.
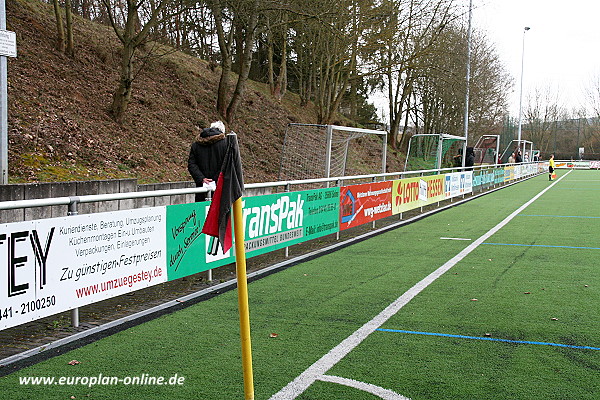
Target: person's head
{"x": 218, "y": 125}
{"x": 551, "y": 155}
{"x": 216, "y": 128}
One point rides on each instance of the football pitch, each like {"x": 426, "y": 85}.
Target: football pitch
{"x": 496, "y": 298}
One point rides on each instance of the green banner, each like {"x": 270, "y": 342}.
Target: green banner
{"x": 271, "y": 222}
{"x": 185, "y": 242}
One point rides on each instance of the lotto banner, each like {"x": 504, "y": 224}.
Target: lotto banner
{"x": 411, "y": 193}
{"x": 271, "y": 222}
{"x": 360, "y": 204}
{"x": 53, "y": 265}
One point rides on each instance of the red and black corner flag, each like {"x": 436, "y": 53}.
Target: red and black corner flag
{"x": 230, "y": 186}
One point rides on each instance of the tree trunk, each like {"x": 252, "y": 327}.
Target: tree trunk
{"x": 225, "y": 48}
{"x": 281, "y": 85}
{"x": 70, "y": 49}
{"x": 122, "y": 95}
{"x": 246, "y": 62}
{"x": 60, "y": 31}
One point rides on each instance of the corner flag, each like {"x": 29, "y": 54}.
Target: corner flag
{"x": 228, "y": 197}
{"x": 229, "y": 188}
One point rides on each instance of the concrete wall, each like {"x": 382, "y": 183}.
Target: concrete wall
{"x": 28, "y": 191}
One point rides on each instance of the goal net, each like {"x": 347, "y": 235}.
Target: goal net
{"x": 434, "y": 151}
{"x": 324, "y": 151}
{"x": 486, "y": 149}
{"x": 525, "y": 146}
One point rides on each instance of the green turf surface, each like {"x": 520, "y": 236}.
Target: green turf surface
{"x": 314, "y": 306}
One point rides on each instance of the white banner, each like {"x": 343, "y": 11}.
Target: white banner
{"x": 54, "y": 265}
{"x": 458, "y": 183}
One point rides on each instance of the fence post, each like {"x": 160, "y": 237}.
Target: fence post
{"x": 374, "y": 179}
{"x": 71, "y": 212}
{"x": 287, "y": 248}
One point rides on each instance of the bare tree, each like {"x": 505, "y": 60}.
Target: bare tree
{"x": 132, "y": 21}
{"x": 229, "y": 15}
{"x": 542, "y": 115}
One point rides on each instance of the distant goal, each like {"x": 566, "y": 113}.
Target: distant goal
{"x": 487, "y": 150}
{"x": 325, "y": 151}
{"x": 433, "y": 151}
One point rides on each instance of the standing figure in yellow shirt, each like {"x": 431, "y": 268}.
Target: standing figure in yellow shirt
{"x": 551, "y": 167}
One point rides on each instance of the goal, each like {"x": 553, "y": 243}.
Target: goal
{"x": 428, "y": 151}
{"x": 486, "y": 150}
{"x": 325, "y": 151}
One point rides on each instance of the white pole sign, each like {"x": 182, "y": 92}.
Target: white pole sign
{"x": 8, "y": 43}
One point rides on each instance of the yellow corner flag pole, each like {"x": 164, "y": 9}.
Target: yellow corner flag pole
{"x": 242, "y": 284}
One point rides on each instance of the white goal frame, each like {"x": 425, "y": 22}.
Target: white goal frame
{"x": 330, "y": 152}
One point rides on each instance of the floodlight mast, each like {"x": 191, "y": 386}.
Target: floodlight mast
{"x": 468, "y": 81}
{"x": 521, "y": 91}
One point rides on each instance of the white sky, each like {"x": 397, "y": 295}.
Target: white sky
{"x": 562, "y": 48}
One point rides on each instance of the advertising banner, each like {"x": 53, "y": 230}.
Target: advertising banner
{"x": 271, "y": 222}
{"x": 458, "y": 183}
{"x": 499, "y": 175}
{"x": 54, "y": 265}
{"x": 411, "y": 193}
{"x": 186, "y": 244}
{"x": 509, "y": 173}
{"x": 483, "y": 179}
{"x": 360, "y": 204}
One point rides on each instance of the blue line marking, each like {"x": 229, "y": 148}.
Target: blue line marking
{"x": 489, "y": 339}
{"x": 542, "y": 245}
{"x": 556, "y": 216}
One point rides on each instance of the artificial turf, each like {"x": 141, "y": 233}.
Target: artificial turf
{"x": 526, "y": 293}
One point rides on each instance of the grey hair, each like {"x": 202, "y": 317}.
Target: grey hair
{"x": 219, "y": 125}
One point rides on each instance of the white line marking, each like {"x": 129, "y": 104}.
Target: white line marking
{"x": 385, "y": 394}
{"x": 325, "y": 363}
{"x": 445, "y": 238}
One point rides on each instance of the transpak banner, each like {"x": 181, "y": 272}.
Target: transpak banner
{"x": 416, "y": 192}
{"x": 53, "y": 265}
{"x": 271, "y": 222}
{"x": 360, "y": 204}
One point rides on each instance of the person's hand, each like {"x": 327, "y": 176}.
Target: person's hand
{"x": 207, "y": 180}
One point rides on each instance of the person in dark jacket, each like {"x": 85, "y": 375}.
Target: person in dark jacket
{"x": 470, "y": 158}
{"x": 206, "y": 156}
{"x": 518, "y": 157}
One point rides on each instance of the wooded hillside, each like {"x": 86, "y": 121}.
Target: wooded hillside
{"x": 60, "y": 126}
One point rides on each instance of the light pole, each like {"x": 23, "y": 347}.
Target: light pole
{"x": 521, "y": 91}
{"x": 468, "y": 82}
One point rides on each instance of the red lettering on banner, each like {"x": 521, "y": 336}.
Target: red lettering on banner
{"x": 399, "y": 193}
{"x": 435, "y": 187}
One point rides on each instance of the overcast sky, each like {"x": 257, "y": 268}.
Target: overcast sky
{"x": 562, "y": 48}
